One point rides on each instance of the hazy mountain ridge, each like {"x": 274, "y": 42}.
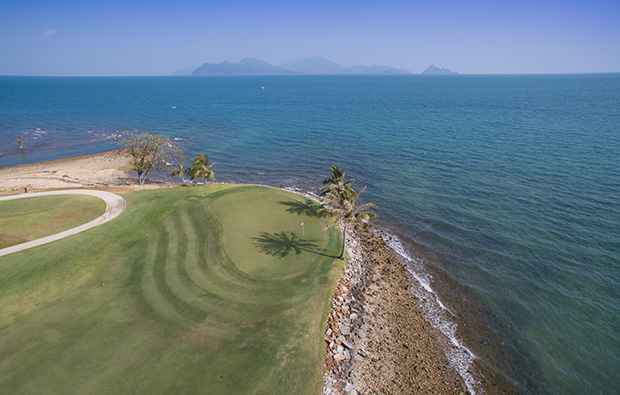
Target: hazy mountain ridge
{"x": 246, "y": 66}
{"x": 318, "y": 65}
{"x": 313, "y": 65}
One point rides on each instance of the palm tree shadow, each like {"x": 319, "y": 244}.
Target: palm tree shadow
{"x": 283, "y": 243}
{"x": 300, "y": 208}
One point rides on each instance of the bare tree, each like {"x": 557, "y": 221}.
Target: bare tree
{"x": 151, "y": 152}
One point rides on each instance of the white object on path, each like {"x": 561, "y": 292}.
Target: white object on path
{"x": 115, "y": 205}
{"x": 303, "y": 229}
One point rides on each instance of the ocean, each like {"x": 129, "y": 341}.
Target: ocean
{"x": 502, "y": 192}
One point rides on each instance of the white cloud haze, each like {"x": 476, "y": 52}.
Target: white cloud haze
{"x": 48, "y": 32}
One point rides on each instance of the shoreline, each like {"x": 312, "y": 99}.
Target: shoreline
{"x": 377, "y": 339}
{"x": 104, "y": 169}
{"x": 93, "y": 170}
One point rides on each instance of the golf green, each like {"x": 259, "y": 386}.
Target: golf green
{"x": 215, "y": 289}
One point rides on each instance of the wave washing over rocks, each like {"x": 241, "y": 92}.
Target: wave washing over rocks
{"x": 380, "y": 337}
{"x": 461, "y": 358}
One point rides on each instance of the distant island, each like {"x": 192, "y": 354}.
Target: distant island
{"x": 246, "y": 66}
{"x": 313, "y": 65}
{"x": 318, "y": 65}
{"x": 432, "y": 70}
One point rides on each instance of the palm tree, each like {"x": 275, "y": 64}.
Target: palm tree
{"x": 201, "y": 168}
{"x": 341, "y": 206}
{"x": 178, "y": 170}
{"x": 336, "y": 181}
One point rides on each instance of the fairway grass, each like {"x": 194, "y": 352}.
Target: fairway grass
{"x": 31, "y": 218}
{"x": 215, "y": 289}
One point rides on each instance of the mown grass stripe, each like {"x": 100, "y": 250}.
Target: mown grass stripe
{"x": 203, "y": 247}
{"x": 226, "y": 263}
{"x": 190, "y": 295}
{"x": 149, "y": 288}
{"x": 185, "y": 257}
{"x": 137, "y": 280}
{"x": 159, "y": 275}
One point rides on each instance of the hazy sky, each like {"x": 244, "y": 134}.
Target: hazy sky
{"x": 109, "y": 37}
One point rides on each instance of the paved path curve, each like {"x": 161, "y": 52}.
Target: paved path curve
{"x": 115, "y": 205}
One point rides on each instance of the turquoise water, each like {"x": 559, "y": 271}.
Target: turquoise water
{"x": 504, "y": 190}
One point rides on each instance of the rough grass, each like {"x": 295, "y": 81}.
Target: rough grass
{"x": 28, "y": 219}
{"x": 198, "y": 298}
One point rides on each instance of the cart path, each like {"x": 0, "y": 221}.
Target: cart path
{"x": 115, "y": 205}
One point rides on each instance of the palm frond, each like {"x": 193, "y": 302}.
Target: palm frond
{"x": 201, "y": 168}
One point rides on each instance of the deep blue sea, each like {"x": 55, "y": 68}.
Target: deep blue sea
{"x": 503, "y": 191}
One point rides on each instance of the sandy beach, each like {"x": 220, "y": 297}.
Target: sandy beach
{"x": 377, "y": 340}
{"x": 97, "y": 170}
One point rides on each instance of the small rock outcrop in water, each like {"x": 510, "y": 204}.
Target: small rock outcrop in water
{"x": 432, "y": 70}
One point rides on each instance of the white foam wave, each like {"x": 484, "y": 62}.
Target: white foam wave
{"x": 436, "y": 313}
{"x": 35, "y": 134}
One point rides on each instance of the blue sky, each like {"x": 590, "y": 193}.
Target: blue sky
{"x": 157, "y": 37}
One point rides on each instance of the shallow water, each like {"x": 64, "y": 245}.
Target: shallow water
{"x": 506, "y": 187}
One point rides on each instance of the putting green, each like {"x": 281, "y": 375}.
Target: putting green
{"x": 28, "y": 219}
{"x": 214, "y": 289}
{"x": 278, "y": 236}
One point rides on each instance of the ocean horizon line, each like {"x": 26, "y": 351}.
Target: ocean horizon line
{"x": 315, "y": 75}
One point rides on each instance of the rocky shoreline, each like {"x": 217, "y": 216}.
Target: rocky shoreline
{"x": 377, "y": 340}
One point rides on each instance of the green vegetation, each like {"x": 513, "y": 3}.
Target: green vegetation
{"x": 178, "y": 171}
{"x": 334, "y": 182}
{"x": 28, "y": 219}
{"x": 201, "y": 168}
{"x": 211, "y": 289}
{"x": 340, "y": 204}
